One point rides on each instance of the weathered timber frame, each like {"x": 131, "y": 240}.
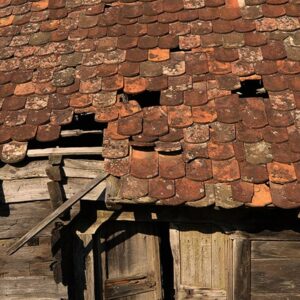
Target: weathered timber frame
{"x": 239, "y": 258}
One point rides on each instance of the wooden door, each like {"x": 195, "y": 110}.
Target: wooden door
{"x": 267, "y": 266}
{"x": 200, "y": 254}
{"x": 130, "y": 263}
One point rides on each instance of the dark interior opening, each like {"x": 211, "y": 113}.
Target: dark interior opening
{"x": 147, "y": 98}
{"x": 251, "y": 88}
{"x": 166, "y": 259}
{"x": 89, "y": 134}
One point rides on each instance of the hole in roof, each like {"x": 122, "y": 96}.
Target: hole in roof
{"x": 177, "y": 49}
{"x": 83, "y": 131}
{"x": 146, "y": 99}
{"x": 251, "y": 88}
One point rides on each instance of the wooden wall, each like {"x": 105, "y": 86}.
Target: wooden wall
{"x": 24, "y": 201}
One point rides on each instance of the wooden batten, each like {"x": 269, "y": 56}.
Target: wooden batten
{"x": 70, "y": 151}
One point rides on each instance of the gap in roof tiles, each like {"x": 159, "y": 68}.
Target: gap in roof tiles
{"x": 82, "y": 130}
{"x": 251, "y": 88}
{"x": 146, "y": 99}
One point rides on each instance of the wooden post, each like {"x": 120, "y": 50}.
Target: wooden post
{"x": 241, "y": 268}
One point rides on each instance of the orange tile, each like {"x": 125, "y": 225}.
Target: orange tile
{"x": 158, "y": 54}
{"x": 281, "y": 173}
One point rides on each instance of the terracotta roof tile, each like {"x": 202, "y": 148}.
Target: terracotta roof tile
{"x": 161, "y": 188}
{"x": 171, "y": 166}
{"x": 65, "y": 57}
{"x": 144, "y": 164}
{"x": 242, "y": 191}
{"x": 131, "y": 187}
{"x": 281, "y": 172}
{"x": 199, "y": 169}
{"x": 47, "y": 133}
{"x": 227, "y": 170}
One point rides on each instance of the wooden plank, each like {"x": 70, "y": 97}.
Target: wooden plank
{"x": 275, "y": 296}
{"x": 195, "y": 256}
{"x": 37, "y": 286}
{"x": 84, "y": 265}
{"x": 55, "y": 194}
{"x": 66, "y": 205}
{"x": 241, "y": 269}
{"x": 207, "y": 294}
{"x": 128, "y": 286}
{"x": 84, "y": 164}
{"x": 131, "y": 249}
{"x": 275, "y": 275}
{"x": 82, "y": 168}
{"x": 175, "y": 248}
{"x": 78, "y": 132}
{"x": 65, "y": 151}
{"x": 275, "y": 249}
{"x": 35, "y": 189}
{"x": 17, "y": 218}
{"x": 219, "y": 262}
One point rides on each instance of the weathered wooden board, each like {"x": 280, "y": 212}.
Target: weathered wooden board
{"x": 21, "y": 217}
{"x": 275, "y": 249}
{"x": 65, "y": 151}
{"x": 36, "y": 189}
{"x": 81, "y": 168}
{"x": 31, "y": 286}
{"x": 200, "y": 261}
{"x": 131, "y": 252}
{"x": 275, "y": 275}
{"x": 56, "y": 213}
{"x": 241, "y": 268}
{"x": 275, "y": 296}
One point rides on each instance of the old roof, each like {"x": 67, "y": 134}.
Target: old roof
{"x": 202, "y": 143}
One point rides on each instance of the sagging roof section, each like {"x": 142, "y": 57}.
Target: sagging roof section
{"x": 204, "y": 142}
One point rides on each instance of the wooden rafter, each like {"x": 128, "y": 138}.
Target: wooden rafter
{"x": 66, "y": 205}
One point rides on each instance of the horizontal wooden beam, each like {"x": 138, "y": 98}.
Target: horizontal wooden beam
{"x": 65, "y": 151}
{"x": 66, "y": 205}
{"x": 78, "y": 132}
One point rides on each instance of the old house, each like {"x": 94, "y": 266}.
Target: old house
{"x": 150, "y": 149}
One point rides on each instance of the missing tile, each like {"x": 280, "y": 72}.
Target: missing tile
{"x": 251, "y": 88}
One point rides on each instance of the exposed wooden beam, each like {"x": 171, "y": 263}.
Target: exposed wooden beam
{"x": 78, "y": 132}
{"x": 66, "y": 205}
{"x": 64, "y": 151}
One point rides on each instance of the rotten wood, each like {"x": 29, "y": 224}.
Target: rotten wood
{"x": 66, "y": 205}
